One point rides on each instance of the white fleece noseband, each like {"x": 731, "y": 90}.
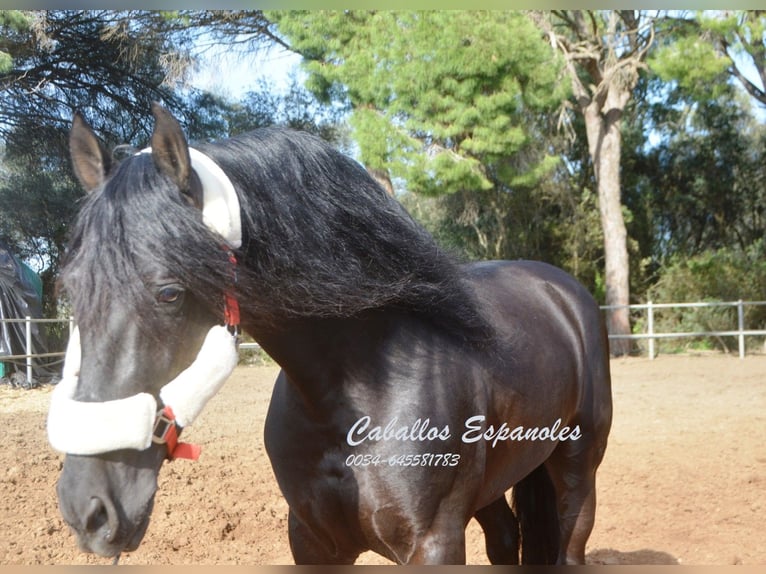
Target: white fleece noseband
{"x": 87, "y": 428}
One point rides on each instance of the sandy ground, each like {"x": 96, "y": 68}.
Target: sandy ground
{"x": 682, "y": 481}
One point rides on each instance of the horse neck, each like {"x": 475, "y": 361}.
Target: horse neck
{"x": 318, "y": 355}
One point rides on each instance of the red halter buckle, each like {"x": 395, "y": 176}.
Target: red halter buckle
{"x": 166, "y": 432}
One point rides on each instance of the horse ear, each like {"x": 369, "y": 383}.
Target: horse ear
{"x": 90, "y": 159}
{"x": 169, "y": 148}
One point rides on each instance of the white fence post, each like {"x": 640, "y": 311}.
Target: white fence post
{"x": 741, "y": 328}
{"x": 650, "y": 327}
{"x": 28, "y": 348}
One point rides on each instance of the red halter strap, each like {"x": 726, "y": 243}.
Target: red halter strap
{"x": 230, "y": 303}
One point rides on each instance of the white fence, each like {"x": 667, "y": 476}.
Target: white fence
{"x": 740, "y": 332}
{"x": 28, "y": 356}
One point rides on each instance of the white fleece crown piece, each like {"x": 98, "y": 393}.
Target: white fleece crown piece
{"x": 220, "y": 209}
{"x": 87, "y": 428}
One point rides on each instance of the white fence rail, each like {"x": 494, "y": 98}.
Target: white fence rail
{"x": 740, "y": 332}
{"x": 28, "y": 356}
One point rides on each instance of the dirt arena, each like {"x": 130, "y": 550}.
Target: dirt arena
{"x": 683, "y": 480}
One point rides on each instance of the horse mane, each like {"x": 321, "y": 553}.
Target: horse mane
{"x": 321, "y": 238}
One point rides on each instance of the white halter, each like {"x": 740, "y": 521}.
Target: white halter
{"x": 87, "y": 428}
{"x": 78, "y": 427}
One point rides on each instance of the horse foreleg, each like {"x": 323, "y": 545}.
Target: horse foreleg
{"x": 572, "y": 469}
{"x": 576, "y": 523}
{"x": 501, "y": 532}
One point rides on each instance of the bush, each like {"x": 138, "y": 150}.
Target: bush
{"x": 716, "y": 275}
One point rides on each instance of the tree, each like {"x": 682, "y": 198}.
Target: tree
{"x": 555, "y": 220}
{"x": 213, "y": 117}
{"x": 36, "y": 205}
{"x": 142, "y": 56}
{"x": 436, "y": 98}
{"x": 720, "y": 201}
{"x": 702, "y": 181}
{"x": 704, "y": 47}
{"x": 52, "y": 72}
{"x": 604, "y": 53}
{"x": 452, "y": 108}
{"x": 693, "y": 168}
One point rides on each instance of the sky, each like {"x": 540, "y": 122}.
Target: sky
{"x": 232, "y": 74}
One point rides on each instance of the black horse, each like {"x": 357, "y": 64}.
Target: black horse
{"x": 414, "y": 391}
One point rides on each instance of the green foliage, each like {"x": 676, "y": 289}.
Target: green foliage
{"x": 438, "y": 97}
{"x": 724, "y": 275}
{"x": 12, "y": 22}
{"x": 694, "y": 64}
{"x": 38, "y": 199}
{"x": 459, "y": 107}
{"x": 700, "y": 51}
{"x": 703, "y": 184}
{"x": 548, "y": 221}
{"x": 6, "y": 62}
{"x": 16, "y": 20}
{"x": 212, "y": 117}
{"x": 54, "y": 72}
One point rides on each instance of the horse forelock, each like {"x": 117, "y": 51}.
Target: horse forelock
{"x": 134, "y": 229}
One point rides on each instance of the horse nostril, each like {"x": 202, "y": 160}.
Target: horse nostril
{"x": 95, "y": 515}
{"x": 97, "y": 519}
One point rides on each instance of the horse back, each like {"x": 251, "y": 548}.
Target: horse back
{"x": 549, "y": 326}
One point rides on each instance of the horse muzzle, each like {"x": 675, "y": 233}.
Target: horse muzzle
{"x": 104, "y": 524}
{"x": 100, "y": 531}
{"x": 103, "y": 536}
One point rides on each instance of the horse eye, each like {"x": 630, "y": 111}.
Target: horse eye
{"x": 169, "y": 294}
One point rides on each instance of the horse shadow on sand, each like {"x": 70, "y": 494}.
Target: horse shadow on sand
{"x": 610, "y": 556}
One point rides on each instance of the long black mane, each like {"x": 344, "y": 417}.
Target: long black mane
{"x": 320, "y": 239}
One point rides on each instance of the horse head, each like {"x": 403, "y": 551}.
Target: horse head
{"x": 145, "y": 273}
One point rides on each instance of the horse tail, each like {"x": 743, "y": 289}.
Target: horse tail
{"x": 534, "y": 502}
